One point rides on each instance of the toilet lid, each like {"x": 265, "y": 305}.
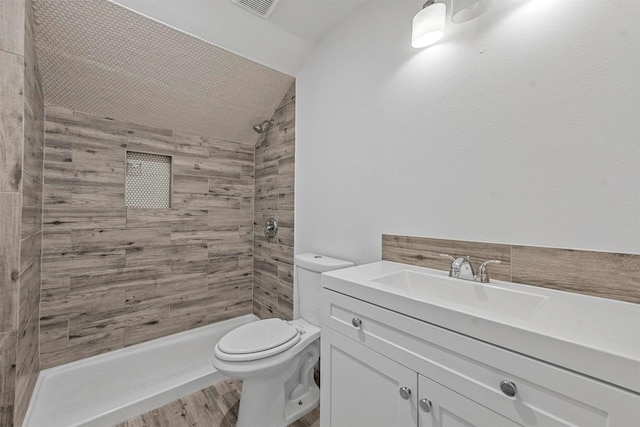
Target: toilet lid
{"x": 257, "y": 336}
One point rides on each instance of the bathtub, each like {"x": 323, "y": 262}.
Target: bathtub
{"x": 110, "y": 388}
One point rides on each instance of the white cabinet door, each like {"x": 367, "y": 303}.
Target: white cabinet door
{"x": 361, "y": 388}
{"x": 442, "y": 407}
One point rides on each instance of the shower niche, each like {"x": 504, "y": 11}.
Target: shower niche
{"x": 147, "y": 180}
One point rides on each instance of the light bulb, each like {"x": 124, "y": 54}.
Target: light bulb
{"x": 428, "y": 25}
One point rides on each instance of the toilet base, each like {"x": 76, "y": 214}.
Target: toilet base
{"x": 284, "y": 398}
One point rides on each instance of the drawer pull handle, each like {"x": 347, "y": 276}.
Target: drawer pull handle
{"x": 405, "y": 393}
{"x": 425, "y": 405}
{"x": 508, "y": 388}
{"x": 356, "y": 322}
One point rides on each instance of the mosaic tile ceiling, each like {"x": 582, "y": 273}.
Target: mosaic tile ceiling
{"x": 98, "y": 57}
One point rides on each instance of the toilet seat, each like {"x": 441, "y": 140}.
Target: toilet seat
{"x": 257, "y": 340}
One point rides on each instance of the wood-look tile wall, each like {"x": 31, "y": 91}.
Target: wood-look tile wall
{"x": 600, "y": 274}
{"x": 273, "y": 258}
{"x": 21, "y": 153}
{"x": 116, "y": 276}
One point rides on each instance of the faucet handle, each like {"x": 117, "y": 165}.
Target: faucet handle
{"x": 452, "y": 259}
{"x": 482, "y": 275}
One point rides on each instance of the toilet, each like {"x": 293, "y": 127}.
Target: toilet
{"x": 275, "y": 358}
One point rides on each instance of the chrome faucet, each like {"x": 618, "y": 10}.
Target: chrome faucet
{"x": 461, "y": 268}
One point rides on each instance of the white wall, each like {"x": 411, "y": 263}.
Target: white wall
{"x": 522, "y": 127}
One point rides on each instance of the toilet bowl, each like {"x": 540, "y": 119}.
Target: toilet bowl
{"x": 275, "y": 358}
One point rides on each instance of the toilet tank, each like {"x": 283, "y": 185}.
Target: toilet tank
{"x": 309, "y": 267}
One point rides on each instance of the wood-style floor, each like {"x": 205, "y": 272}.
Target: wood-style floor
{"x": 216, "y": 406}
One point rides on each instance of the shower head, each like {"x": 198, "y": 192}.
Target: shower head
{"x": 263, "y": 127}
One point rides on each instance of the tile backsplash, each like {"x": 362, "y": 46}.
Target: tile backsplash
{"x": 599, "y": 274}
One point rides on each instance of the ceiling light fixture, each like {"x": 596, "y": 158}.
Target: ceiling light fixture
{"x": 428, "y": 24}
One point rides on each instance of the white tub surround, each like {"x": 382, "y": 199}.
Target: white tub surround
{"x": 110, "y": 388}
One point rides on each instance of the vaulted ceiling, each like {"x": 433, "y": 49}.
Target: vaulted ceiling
{"x": 98, "y": 57}
{"x": 282, "y": 41}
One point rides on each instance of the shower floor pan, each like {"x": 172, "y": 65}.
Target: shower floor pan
{"x": 110, "y": 388}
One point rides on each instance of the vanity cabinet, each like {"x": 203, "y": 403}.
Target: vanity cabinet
{"x": 365, "y": 386}
{"x": 383, "y": 368}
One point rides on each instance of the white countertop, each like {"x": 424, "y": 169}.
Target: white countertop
{"x": 597, "y": 337}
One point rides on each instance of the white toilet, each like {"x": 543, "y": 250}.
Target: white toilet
{"x": 275, "y": 358}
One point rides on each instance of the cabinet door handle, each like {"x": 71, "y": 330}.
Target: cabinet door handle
{"x": 425, "y": 405}
{"x": 405, "y": 393}
{"x": 356, "y": 322}
{"x": 508, "y": 388}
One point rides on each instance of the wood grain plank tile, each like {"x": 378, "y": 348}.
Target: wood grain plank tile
{"x": 225, "y": 310}
{"x": 190, "y": 184}
{"x": 79, "y": 303}
{"x": 286, "y": 200}
{"x": 110, "y": 279}
{"x": 109, "y": 125}
{"x": 226, "y": 270}
{"x": 206, "y": 167}
{"x": 600, "y": 274}
{"x": 29, "y": 298}
{"x": 7, "y": 377}
{"x": 175, "y": 219}
{"x": 165, "y": 290}
{"x": 75, "y": 262}
{"x": 58, "y": 150}
{"x": 84, "y": 240}
{"x": 9, "y": 259}
{"x": 213, "y": 406}
{"x": 58, "y": 219}
{"x": 12, "y": 27}
{"x": 151, "y": 255}
{"x": 31, "y": 221}
{"x": 53, "y": 331}
{"x": 28, "y": 366}
{"x": 161, "y": 325}
{"x": 90, "y": 344}
{"x": 101, "y": 197}
{"x": 7, "y": 364}
{"x": 266, "y": 203}
{"x": 33, "y": 105}
{"x": 190, "y": 267}
{"x": 230, "y": 187}
{"x": 236, "y": 248}
{"x": 221, "y": 217}
{"x": 11, "y": 115}
{"x": 277, "y": 253}
{"x": 206, "y": 201}
{"x": 55, "y": 242}
{"x": 31, "y": 191}
{"x": 30, "y": 251}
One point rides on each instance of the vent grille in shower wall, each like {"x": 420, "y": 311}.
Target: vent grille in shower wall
{"x": 147, "y": 180}
{"x": 261, "y": 8}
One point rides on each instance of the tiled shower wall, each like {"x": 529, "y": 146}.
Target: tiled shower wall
{"x": 599, "y": 274}
{"x": 273, "y": 258}
{"x": 21, "y": 148}
{"x": 116, "y": 276}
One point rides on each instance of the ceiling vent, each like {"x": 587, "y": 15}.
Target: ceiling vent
{"x": 262, "y": 8}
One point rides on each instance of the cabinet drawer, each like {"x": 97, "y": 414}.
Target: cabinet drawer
{"x": 546, "y": 395}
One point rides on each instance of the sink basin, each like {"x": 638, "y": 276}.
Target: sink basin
{"x": 478, "y": 296}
